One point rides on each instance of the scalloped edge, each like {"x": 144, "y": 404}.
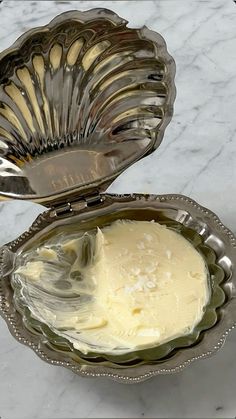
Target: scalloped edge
{"x": 213, "y": 338}
{"x": 145, "y": 33}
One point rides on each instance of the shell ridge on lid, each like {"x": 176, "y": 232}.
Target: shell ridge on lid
{"x": 79, "y": 104}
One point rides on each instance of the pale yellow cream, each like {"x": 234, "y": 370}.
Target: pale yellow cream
{"x": 146, "y": 285}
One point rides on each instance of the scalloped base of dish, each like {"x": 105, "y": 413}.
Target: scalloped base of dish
{"x": 197, "y": 224}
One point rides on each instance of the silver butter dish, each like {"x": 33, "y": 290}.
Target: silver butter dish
{"x": 81, "y": 99}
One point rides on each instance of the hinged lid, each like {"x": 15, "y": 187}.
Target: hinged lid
{"x": 81, "y": 99}
{"x": 62, "y": 210}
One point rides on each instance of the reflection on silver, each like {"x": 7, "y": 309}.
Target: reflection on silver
{"x": 133, "y": 207}
{"x": 80, "y": 100}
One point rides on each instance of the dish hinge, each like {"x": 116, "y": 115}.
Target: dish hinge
{"x": 81, "y": 203}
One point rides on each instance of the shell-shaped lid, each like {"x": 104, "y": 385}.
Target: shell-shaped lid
{"x": 81, "y": 99}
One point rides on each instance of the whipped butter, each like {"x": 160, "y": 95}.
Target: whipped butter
{"x": 128, "y": 286}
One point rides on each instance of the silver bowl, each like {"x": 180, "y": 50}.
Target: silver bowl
{"x": 172, "y": 207}
{"x": 81, "y": 99}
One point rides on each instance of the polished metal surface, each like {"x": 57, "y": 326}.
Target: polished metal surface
{"x": 69, "y": 297}
{"x": 172, "y": 207}
{"x": 81, "y": 99}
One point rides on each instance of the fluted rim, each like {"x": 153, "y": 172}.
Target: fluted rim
{"x": 213, "y": 338}
{"x": 145, "y": 34}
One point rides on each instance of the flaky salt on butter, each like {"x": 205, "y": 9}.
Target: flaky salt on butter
{"x": 147, "y": 285}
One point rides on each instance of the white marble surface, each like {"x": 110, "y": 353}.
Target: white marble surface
{"x": 196, "y": 158}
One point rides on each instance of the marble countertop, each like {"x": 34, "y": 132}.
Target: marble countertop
{"x": 197, "y": 158}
